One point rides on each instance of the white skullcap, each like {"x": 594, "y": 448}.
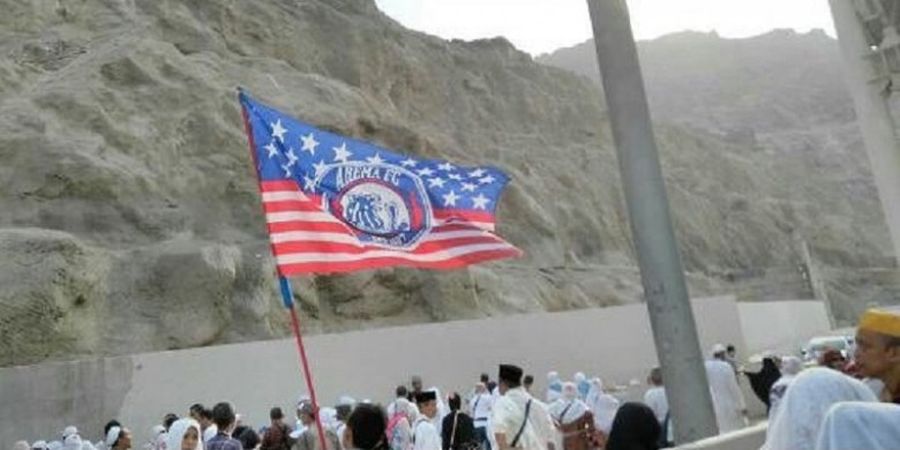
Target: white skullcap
{"x": 70, "y": 430}
{"x": 718, "y": 348}
{"x": 112, "y": 436}
{"x": 42, "y": 445}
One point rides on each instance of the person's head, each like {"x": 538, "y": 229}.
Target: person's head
{"x": 552, "y": 377}
{"x": 168, "y": 420}
{"x": 480, "y": 388}
{"x": 877, "y": 352}
{"x": 416, "y": 383}
{"x": 634, "y": 427}
{"x": 118, "y": 438}
{"x": 223, "y": 416}
{"x": 184, "y": 434}
{"x": 528, "y": 381}
{"x": 454, "y": 401}
{"x": 569, "y": 391}
{"x": 205, "y": 418}
{"x": 276, "y": 415}
{"x": 427, "y": 403}
{"x": 655, "y": 378}
{"x": 305, "y": 412}
{"x": 485, "y": 379}
{"x": 510, "y": 377}
{"x": 791, "y": 365}
{"x": 796, "y": 424}
{"x": 719, "y": 351}
{"x": 365, "y": 428}
{"x": 342, "y": 412}
{"x": 580, "y": 377}
{"x": 401, "y": 392}
{"x": 833, "y": 359}
{"x": 731, "y": 351}
{"x": 109, "y": 425}
{"x": 196, "y": 412}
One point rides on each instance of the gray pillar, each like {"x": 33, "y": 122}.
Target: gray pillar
{"x": 662, "y": 276}
{"x": 872, "y": 112}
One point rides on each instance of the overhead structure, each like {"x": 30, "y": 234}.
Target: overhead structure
{"x": 870, "y": 47}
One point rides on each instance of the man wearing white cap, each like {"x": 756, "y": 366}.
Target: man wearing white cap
{"x": 728, "y": 402}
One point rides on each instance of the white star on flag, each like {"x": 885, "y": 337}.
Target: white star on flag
{"x": 341, "y": 153}
{"x": 455, "y": 176}
{"x": 309, "y": 144}
{"x": 278, "y": 130}
{"x": 480, "y": 202}
{"x": 308, "y": 183}
{"x": 450, "y": 199}
{"x": 487, "y": 180}
{"x": 426, "y": 172}
{"x": 435, "y": 182}
{"x": 375, "y": 159}
{"x": 408, "y": 162}
{"x": 476, "y": 173}
{"x": 292, "y": 158}
{"x": 287, "y": 170}
{"x": 468, "y": 187}
{"x": 320, "y": 167}
{"x": 270, "y": 147}
{"x": 446, "y": 167}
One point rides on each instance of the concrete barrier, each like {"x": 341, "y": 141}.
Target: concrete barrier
{"x": 751, "y": 438}
{"x": 615, "y": 343}
{"x": 782, "y": 326}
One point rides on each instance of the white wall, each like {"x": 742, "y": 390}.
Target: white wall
{"x": 614, "y": 343}
{"x": 782, "y": 326}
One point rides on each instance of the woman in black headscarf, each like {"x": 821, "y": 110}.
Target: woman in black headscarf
{"x": 634, "y": 428}
{"x": 762, "y": 381}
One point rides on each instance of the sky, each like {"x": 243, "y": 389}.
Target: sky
{"x": 541, "y": 26}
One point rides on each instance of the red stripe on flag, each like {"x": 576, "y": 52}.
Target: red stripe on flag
{"x": 473, "y": 216}
{"x": 291, "y": 205}
{"x": 313, "y": 246}
{"x": 279, "y": 185}
{"x": 374, "y": 263}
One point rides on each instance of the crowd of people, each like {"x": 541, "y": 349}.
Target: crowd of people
{"x": 842, "y": 404}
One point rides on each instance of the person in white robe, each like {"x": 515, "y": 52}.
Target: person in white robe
{"x": 728, "y": 402}
{"x": 425, "y": 435}
{"x": 554, "y": 387}
{"x": 442, "y": 410}
{"x": 573, "y": 419}
{"x": 519, "y": 420}
{"x": 797, "y": 423}
{"x": 583, "y": 385}
{"x": 399, "y": 427}
{"x": 790, "y": 367}
{"x": 604, "y": 406}
{"x": 480, "y": 406}
{"x": 854, "y": 426}
{"x": 655, "y": 397}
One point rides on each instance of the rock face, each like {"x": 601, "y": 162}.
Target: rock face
{"x": 131, "y": 220}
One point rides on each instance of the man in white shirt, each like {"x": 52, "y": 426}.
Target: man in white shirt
{"x": 481, "y": 406}
{"x": 655, "y": 397}
{"x": 728, "y": 402}
{"x": 425, "y": 435}
{"x": 519, "y": 420}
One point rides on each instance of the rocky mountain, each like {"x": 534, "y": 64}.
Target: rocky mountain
{"x": 131, "y": 220}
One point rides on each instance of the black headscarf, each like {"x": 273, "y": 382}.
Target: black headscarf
{"x": 634, "y": 428}
{"x": 762, "y": 381}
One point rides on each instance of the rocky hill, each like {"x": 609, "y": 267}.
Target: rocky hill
{"x": 131, "y": 220}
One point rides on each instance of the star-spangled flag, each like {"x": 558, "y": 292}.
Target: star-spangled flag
{"x": 336, "y": 204}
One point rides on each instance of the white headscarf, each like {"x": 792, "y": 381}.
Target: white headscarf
{"x": 112, "y": 436}
{"x": 177, "y": 431}
{"x": 796, "y": 424}
{"x": 70, "y": 430}
{"x": 870, "y": 426}
{"x": 554, "y": 387}
{"x": 603, "y": 405}
{"x": 72, "y": 442}
{"x": 569, "y": 408}
{"x": 39, "y": 445}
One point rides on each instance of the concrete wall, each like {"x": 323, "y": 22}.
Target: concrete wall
{"x": 616, "y": 343}
{"x": 751, "y": 438}
{"x": 782, "y": 326}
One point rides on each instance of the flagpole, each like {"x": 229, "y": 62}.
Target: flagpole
{"x": 288, "y": 298}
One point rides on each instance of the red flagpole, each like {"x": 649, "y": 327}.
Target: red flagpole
{"x": 288, "y": 299}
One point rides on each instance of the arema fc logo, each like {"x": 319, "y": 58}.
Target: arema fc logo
{"x": 382, "y": 203}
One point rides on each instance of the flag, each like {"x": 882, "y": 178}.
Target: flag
{"x": 336, "y": 204}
